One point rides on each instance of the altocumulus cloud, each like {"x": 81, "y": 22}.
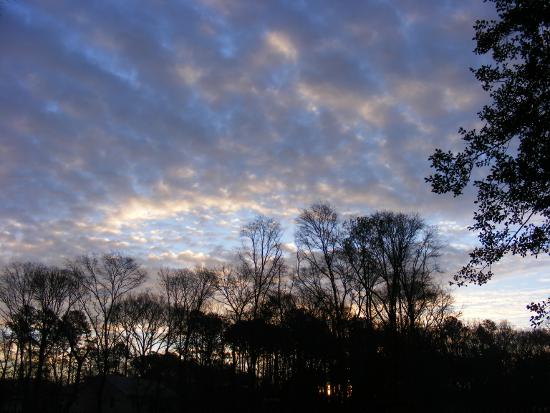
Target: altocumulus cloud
{"x": 158, "y": 128}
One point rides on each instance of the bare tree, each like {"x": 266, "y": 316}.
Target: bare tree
{"x": 107, "y": 279}
{"x": 55, "y": 292}
{"x": 184, "y": 291}
{"x": 16, "y": 295}
{"x": 35, "y": 297}
{"x": 436, "y": 307}
{"x": 403, "y": 253}
{"x": 16, "y": 286}
{"x": 235, "y": 290}
{"x": 418, "y": 291}
{"x": 76, "y": 330}
{"x": 143, "y": 319}
{"x": 260, "y": 257}
{"x": 7, "y": 344}
{"x": 364, "y": 272}
{"x": 318, "y": 238}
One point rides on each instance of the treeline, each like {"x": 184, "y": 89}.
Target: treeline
{"x": 357, "y": 318}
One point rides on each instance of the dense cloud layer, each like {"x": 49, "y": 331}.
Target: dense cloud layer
{"x": 158, "y": 128}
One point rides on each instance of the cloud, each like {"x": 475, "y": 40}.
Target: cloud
{"x": 160, "y": 130}
{"x": 506, "y": 304}
{"x": 280, "y": 43}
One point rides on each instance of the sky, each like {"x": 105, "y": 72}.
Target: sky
{"x": 159, "y": 128}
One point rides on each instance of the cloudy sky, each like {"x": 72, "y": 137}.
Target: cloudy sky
{"x": 158, "y": 128}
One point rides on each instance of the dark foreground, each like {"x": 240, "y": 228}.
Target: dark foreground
{"x": 486, "y": 367}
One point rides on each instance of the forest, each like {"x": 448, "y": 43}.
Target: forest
{"x": 359, "y": 317}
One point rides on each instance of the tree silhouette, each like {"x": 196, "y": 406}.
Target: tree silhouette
{"x": 318, "y": 238}
{"x": 106, "y": 280}
{"x": 16, "y": 295}
{"x": 357, "y": 248}
{"x": 511, "y": 150}
{"x": 55, "y": 292}
{"x": 236, "y": 292}
{"x": 261, "y": 257}
{"x": 185, "y": 291}
{"x": 143, "y": 319}
{"x": 69, "y": 335}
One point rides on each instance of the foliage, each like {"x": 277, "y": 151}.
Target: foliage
{"x": 542, "y": 313}
{"x": 508, "y": 157}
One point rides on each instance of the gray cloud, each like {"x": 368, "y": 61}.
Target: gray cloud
{"x": 159, "y": 128}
